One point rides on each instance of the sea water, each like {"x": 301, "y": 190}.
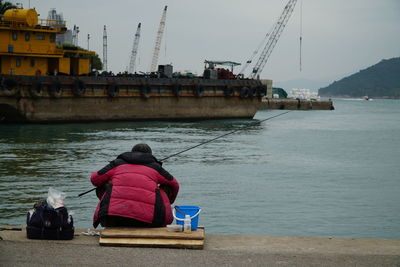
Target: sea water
{"x": 305, "y": 173}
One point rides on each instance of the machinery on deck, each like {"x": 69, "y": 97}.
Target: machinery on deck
{"x": 210, "y": 72}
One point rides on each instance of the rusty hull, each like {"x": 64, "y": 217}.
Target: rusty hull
{"x": 82, "y": 99}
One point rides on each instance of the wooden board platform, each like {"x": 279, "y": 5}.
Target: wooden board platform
{"x": 151, "y": 237}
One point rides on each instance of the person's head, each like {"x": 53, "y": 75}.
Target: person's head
{"x": 145, "y": 148}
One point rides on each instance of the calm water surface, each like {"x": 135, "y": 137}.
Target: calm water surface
{"x": 306, "y": 173}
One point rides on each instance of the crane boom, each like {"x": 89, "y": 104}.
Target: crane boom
{"x": 250, "y": 60}
{"x": 105, "y": 49}
{"x": 158, "y": 41}
{"x": 273, "y": 38}
{"x": 132, "y": 62}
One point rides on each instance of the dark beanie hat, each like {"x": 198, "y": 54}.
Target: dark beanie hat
{"x": 142, "y": 148}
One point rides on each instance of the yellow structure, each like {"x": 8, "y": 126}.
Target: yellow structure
{"x": 28, "y": 46}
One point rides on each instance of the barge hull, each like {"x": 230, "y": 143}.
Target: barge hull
{"x": 120, "y": 109}
{"x": 82, "y": 99}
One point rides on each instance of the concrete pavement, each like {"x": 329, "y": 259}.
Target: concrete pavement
{"x": 219, "y": 250}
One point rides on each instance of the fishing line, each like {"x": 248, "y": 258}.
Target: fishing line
{"x": 206, "y": 142}
{"x": 234, "y": 131}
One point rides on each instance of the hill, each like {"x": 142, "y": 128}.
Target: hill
{"x": 381, "y": 80}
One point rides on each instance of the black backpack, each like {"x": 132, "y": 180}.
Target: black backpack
{"x": 45, "y": 222}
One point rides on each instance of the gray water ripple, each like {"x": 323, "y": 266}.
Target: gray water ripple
{"x": 317, "y": 173}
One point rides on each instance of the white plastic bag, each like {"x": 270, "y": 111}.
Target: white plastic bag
{"x": 55, "y": 198}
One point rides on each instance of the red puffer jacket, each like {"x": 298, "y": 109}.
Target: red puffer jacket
{"x": 134, "y": 180}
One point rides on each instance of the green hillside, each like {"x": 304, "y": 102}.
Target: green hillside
{"x": 381, "y": 80}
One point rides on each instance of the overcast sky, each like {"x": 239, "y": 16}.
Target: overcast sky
{"x": 340, "y": 37}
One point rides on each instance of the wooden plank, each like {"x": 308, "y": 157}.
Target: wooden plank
{"x": 152, "y": 242}
{"x": 151, "y": 233}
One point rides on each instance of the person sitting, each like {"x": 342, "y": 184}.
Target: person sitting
{"x": 136, "y": 191}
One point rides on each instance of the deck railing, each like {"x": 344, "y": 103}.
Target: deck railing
{"x": 51, "y": 24}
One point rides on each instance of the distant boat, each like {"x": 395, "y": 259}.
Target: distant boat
{"x": 366, "y": 98}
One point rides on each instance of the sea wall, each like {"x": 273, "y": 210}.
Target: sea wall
{"x": 296, "y": 104}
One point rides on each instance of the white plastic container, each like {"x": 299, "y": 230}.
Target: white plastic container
{"x": 187, "y": 224}
{"x": 174, "y": 228}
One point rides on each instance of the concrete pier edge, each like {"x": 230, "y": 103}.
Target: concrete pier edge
{"x": 296, "y": 104}
{"x": 230, "y": 250}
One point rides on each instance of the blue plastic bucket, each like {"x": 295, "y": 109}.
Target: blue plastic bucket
{"x": 193, "y": 211}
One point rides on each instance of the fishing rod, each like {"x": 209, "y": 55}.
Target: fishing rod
{"x": 203, "y": 143}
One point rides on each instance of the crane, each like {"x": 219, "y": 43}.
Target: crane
{"x": 271, "y": 39}
{"x": 132, "y": 62}
{"x": 158, "y": 41}
{"x": 105, "y": 49}
{"x": 75, "y": 33}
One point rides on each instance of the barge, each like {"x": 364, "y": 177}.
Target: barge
{"x": 68, "y": 99}
{"x": 43, "y": 82}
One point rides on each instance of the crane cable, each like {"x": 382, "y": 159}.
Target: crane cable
{"x": 256, "y": 52}
{"x": 301, "y": 29}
